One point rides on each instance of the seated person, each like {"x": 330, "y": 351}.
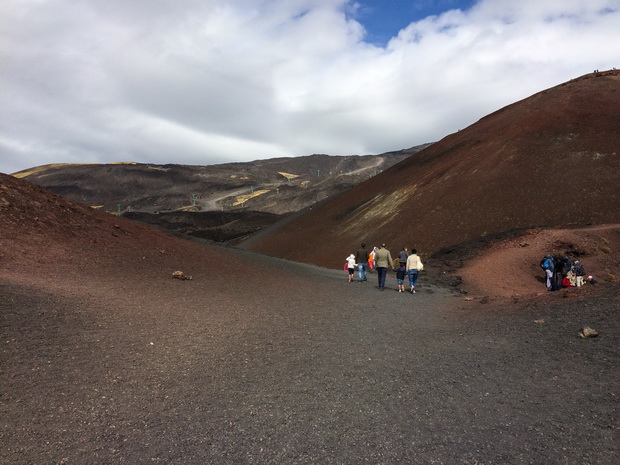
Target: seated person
{"x": 571, "y": 278}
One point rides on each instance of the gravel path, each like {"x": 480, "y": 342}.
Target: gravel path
{"x": 290, "y": 364}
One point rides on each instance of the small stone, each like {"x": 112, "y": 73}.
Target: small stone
{"x": 180, "y": 275}
{"x": 586, "y": 332}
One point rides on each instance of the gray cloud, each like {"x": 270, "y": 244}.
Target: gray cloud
{"x": 202, "y": 82}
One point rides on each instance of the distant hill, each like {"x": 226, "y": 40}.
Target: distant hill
{"x": 278, "y": 186}
{"x": 550, "y": 160}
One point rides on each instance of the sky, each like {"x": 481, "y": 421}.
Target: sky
{"x": 213, "y": 81}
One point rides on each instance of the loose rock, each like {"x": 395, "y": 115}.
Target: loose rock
{"x": 180, "y": 275}
{"x": 586, "y": 332}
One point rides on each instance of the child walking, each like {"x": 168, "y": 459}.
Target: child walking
{"x": 351, "y": 266}
{"x": 400, "y": 277}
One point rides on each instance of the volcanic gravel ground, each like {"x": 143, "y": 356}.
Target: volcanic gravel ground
{"x": 291, "y": 364}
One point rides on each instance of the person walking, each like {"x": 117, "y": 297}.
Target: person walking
{"x": 371, "y": 259}
{"x": 361, "y": 257}
{"x": 400, "y": 277}
{"x": 413, "y": 267}
{"x": 351, "y": 266}
{"x": 383, "y": 257}
{"x": 402, "y": 256}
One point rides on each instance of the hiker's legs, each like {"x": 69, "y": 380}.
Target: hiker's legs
{"x": 549, "y": 276}
{"x": 361, "y": 271}
{"x": 381, "y": 274}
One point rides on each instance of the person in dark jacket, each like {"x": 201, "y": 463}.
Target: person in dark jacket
{"x": 567, "y": 266}
{"x": 361, "y": 258}
{"x": 401, "y": 271}
{"x": 557, "y": 269}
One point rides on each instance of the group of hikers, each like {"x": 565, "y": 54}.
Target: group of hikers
{"x": 379, "y": 259}
{"x": 562, "y": 272}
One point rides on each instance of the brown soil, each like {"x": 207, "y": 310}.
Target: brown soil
{"x": 255, "y": 360}
{"x": 509, "y": 268}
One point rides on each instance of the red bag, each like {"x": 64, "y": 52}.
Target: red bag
{"x": 346, "y": 266}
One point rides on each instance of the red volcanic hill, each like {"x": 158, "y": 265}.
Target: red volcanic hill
{"x": 551, "y": 160}
{"x": 42, "y": 232}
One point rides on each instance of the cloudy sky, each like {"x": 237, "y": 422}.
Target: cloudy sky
{"x": 211, "y": 81}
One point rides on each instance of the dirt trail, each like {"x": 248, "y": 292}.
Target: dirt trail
{"x": 211, "y": 203}
{"x": 278, "y": 362}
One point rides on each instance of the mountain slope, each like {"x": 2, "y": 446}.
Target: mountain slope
{"x": 279, "y": 185}
{"x": 551, "y": 160}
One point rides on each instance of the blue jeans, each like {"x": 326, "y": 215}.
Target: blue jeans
{"x": 362, "y": 272}
{"x": 413, "y": 277}
{"x": 381, "y": 274}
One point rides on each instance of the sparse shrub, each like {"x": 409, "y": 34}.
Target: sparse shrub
{"x": 605, "y": 250}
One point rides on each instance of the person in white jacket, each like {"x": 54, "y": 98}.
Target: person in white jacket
{"x": 351, "y": 262}
{"x": 414, "y": 266}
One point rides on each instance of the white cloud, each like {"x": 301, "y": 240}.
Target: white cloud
{"x": 209, "y": 81}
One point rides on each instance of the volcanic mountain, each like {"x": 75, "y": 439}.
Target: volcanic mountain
{"x": 217, "y": 202}
{"x": 550, "y": 160}
{"x": 277, "y": 185}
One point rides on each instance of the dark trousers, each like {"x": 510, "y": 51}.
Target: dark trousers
{"x": 381, "y": 274}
